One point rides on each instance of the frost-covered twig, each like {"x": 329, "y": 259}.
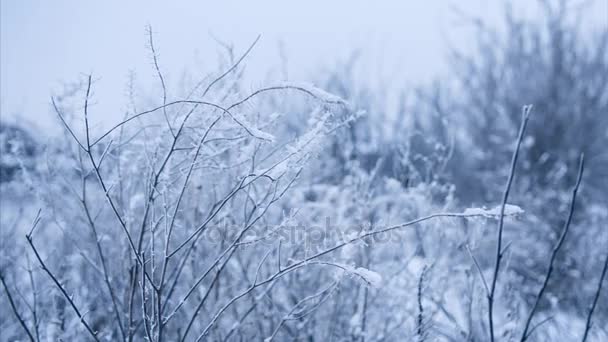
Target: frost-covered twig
{"x": 180, "y": 197}
{"x": 556, "y": 249}
{"x": 58, "y": 284}
{"x": 270, "y": 280}
{"x": 306, "y": 88}
{"x": 103, "y": 185}
{"x": 234, "y": 66}
{"x": 65, "y": 124}
{"x": 102, "y": 257}
{"x": 291, "y": 315}
{"x": 256, "y": 301}
{"x": 229, "y": 251}
{"x": 296, "y": 265}
{"x": 144, "y": 301}
{"x": 160, "y": 77}
{"x": 170, "y": 104}
{"x": 525, "y": 116}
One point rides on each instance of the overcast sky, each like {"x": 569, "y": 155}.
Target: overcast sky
{"x": 46, "y": 43}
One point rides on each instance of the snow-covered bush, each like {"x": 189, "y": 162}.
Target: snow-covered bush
{"x": 290, "y": 212}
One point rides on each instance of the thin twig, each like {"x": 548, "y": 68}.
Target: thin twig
{"x": 169, "y": 104}
{"x": 483, "y": 279}
{"x": 213, "y": 105}
{"x": 102, "y": 257}
{"x": 286, "y": 87}
{"x": 106, "y": 190}
{"x": 160, "y": 77}
{"x": 144, "y": 301}
{"x": 595, "y": 300}
{"x": 525, "y": 116}
{"x": 66, "y": 124}
{"x": 35, "y": 298}
{"x": 296, "y": 265}
{"x": 232, "y": 68}
{"x": 539, "y": 324}
{"x": 293, "y": 315}
{"x": 14, "y": 308}
{"x": 60, "y": 287}
{"x": 420, "y": 321}
{"x": 556, "y": 249}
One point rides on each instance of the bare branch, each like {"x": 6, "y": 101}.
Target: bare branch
{"x": 286, "y": 87}
{"x": 420, "y": 322}
{"x": 102, "y": 258}
{"x": 160, "y": 77}
{"x": 525, "y": 116}
{"x": 65, "y": 124}
{"x": 483, "y": 279}
{"x": 14, "y": 308}
{"x": 61, "y": 288}
{"x": 173, "y": 103}
{"x": 595, "y": 300}
{"x": 556, "y": 249}
{"x": 234, "y": 66}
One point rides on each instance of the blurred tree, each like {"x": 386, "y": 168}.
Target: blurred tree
{"x": 560, "y": 66}
{"x": 17, "y": 148}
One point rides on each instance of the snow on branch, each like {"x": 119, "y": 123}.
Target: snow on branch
{"x": 315, "y": 92}
{"x": 510, "y": 210}
{"x": 374, "y": 279}
{"x": 251, "y": 129}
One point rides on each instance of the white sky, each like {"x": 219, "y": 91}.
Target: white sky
{"x": 45, "y": 43}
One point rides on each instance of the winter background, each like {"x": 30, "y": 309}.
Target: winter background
{"x": 319, "y": 171}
